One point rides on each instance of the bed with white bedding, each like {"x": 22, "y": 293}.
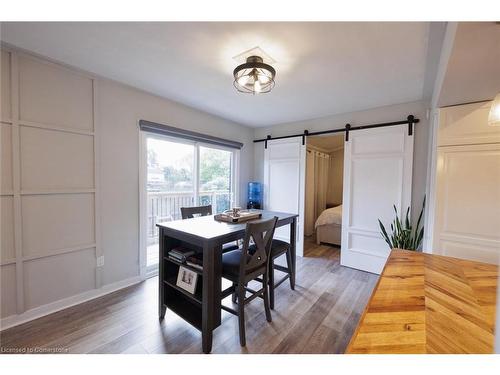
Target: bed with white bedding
{"x": 329, "y": 226}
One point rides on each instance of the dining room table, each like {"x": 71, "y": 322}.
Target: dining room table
{"x": 205, "y": 236}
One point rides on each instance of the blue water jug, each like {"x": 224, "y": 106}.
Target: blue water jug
{"x": 254, "y": 195}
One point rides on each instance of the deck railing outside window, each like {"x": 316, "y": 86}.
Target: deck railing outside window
{"x": 166, "y": 206}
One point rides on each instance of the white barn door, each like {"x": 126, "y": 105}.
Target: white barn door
{"x": 377, "y": 175}
{"x": 284, "y": 182}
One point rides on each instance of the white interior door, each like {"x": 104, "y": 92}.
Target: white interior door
{"x": 284, "y": 183}
{"x": 377, "y": 175}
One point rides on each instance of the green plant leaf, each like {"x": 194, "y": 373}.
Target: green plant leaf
{"x": 407, "y": 218}
{"x": 403, "y": 235}
{"x": 384, "y": 234}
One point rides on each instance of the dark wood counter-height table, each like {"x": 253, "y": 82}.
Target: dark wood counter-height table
{"x": 205, "y": 235}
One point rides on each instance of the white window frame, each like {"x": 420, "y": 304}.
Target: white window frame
{"x": 143, "y": 137}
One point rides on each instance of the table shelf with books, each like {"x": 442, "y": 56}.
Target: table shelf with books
{"x": 186, "y": 304}
{"x": 185, "y": 265}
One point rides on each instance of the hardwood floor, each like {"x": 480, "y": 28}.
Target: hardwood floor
{"x": 320, "y": 316}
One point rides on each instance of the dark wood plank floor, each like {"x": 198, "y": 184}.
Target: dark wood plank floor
{"x": 318, "y": 317}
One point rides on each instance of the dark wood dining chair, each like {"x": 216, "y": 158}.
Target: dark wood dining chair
{"x": 241, "y": 267}
{"x": 192, "y": 212}
{"x": 278, "y": 248}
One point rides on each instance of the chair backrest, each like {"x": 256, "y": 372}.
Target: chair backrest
{"x": 189, "y": 212}
{"x": 261, "y": 232}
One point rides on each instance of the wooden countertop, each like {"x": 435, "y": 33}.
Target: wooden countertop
{"x": 429, "y": 304}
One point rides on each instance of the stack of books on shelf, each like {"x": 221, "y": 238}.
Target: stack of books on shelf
{"x": 180, "y": 254}
{"x": 195, "y": 261}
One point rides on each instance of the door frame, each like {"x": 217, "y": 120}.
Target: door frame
{"x": 430, "y": 191}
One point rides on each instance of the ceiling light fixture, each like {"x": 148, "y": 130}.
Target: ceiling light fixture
{"x": 494, "y": 117}
{"x": 254, "y": 76}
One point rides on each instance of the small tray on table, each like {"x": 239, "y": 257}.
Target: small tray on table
{"x": 243, "y": 216}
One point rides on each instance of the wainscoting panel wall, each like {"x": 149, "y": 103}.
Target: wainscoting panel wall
{"x": 8, "y": 292}
{"x": 6, "y": 162}
{"x": 8, "y": 300}
{"x": 49, "y": 279}
{"x": 466, "y": 125}
{"x": 467, "y": 203}
{"x": 71, "y": 223}
{"x": 48, "y": 186}
{"x": 50, "y": 94}
{"x": 8, "y": 254}
{"x": 52, "y": 159}
{"x": 5, "y": 82}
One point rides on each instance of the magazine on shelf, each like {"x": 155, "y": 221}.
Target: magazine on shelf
{"x": 180, "y": 254}
{"x": 195, "y": 261}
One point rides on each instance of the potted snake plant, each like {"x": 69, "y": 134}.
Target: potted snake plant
{"x": 403, "y": 235}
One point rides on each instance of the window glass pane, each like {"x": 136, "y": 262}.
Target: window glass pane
{"x": 170, "y": 166}
{"x": 215, "y": 178}
{"x": 170, "y": 186}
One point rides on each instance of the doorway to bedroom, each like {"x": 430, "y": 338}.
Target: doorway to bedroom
{"x": 323, "y": 193}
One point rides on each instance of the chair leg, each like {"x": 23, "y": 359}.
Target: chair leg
{"x": 235, "y": 293}
{"x": 290, "y": 269}
{"x": 271, "y": 284}
{"x": 241, "y": 314}
{"x": 265, "y": 286}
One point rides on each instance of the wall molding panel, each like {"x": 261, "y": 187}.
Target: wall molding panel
{"x": 466, "y": 199}
{"x": 50, "y": 128}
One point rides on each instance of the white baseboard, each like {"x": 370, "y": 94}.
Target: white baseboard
{"x": 62, "y": 304}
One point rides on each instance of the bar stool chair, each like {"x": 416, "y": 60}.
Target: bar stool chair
{"x": 278, "y": 248}
{"x": 192, "y": 212}
{"x": 241, "y": 267}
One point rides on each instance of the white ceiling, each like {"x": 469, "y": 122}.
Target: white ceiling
{"x": 322, "y": 68}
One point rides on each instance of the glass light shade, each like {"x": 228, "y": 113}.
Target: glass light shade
{"x": 494, "y": 117}
{"x": 254, "y": 77}
{"x": 257, "y": 86}
{"x": 243, "y": 80}
{"x": 263, "y": 78}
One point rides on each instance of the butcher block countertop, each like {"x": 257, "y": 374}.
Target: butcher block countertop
{"x": 429, "y": 304}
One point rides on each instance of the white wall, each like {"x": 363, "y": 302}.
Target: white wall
{"x": 52, "y": 231}
{"x": 370, "y": 116}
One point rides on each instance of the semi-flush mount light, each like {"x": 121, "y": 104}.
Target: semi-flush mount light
{"x": 254, "y": 76}
{"x": 494, "y": 117}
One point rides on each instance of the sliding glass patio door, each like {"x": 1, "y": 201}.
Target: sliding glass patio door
{"x": 170, "y": 184}
{"x": 215, "y": 178}
{"x": 178, "y": 173}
